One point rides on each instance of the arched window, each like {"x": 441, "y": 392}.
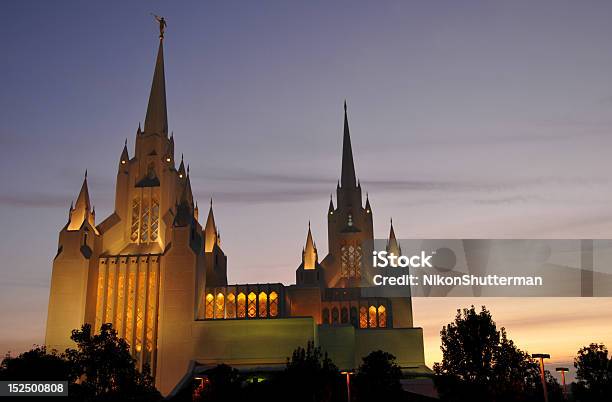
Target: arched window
{"x": 335, "y": 315}
{"x": 230, "y": 306}
{"x": 372, "y": 317}
{"x": 363, "y": 317}
{"x": 325, "y": 315}
{"x": 252, "y": 305}
{"x": 220, "y": 306}
{"x": 382, "y": 316}
{"x": 263, "y": 305}
{"x": 354, "y": 317}
{"x": 210, "y": 306}
{"x": 344, "y": 315}
{"x": 273, "y": 304}
{"x": 241, "y": 305}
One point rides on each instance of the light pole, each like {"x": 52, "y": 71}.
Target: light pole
{"x": 542, "y": 356}
{"x": 348, "y": 383}
{"x": 563, "y": 370}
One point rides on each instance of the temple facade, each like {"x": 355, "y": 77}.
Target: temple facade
{"x": 160, "y": 277}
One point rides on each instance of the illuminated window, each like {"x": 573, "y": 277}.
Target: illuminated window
{"x": 230, "y": 306}
{"x": 154, "y": 219}
{"x": 129, "y": 311}
{"x": 273, "y": 304}
{"x": 350, "y": 261}
{"x": 335, "y": 315}
{"x": 382, "y": 316}
{"x": 344, "y": 315}
{"x": 210, "y": 306}
{"x": 135, "y": 220}
{"x": 241, "y": 305}
{"x": 144, "y": 221}
{"x": 220, "y": 306}
{"x": 263, "y": 305}
{"x": 140, "y": 308}
{"x": 152, "y": 295}
{"x": 372, "y": 317}
{"x": 252, "y": 307}
{"x": 363, "y": 317}
{"x": 326, "y": 316}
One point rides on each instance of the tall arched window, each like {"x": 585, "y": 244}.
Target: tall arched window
{"x": 344, "y": 315}
{"x": 230, "y": 306}
{"x": 241, "y": 305}
{"x": 335, "y": 318}
{"x": 263, "y": 305}
{"x": 252, "y": 305}
{"x": 325, "y": 315}
{"x": 363, "y": 317}
{"x": 273, "y": 304}
{"x": 372, "y": 317}
{"x": 220, "y": 306}
{"x": 209, "y": 306}
{"x": 382, "y": 316}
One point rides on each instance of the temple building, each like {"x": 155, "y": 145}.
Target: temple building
{"x": 160, "y": 277}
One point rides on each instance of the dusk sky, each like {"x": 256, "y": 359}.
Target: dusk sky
{"x": 468, "y": 119}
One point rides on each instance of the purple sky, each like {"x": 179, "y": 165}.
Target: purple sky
{"x": 472, "y": 119}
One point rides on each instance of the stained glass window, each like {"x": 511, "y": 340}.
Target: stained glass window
{"x": 263, "y": 305}
{"x": 230, "y": 306}
{"x": 273, "y": 304}
{"x": 241, "y": 305}
{"x": 210, "y": 306}
{"x": 135, "y": 219}
{"x": 363, "y": 317}
{"x": 382, "y": 316}
{"x": 252, "y": 307}
{"x": 372, "y": 317}
{"x": 350, "y": 261}
{"x": 220, "y": 306}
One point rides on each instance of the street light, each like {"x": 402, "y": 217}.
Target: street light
{"x": 542, "y": 356}
{"x": 348, "y": 383}
{"x": 563, "y": 370}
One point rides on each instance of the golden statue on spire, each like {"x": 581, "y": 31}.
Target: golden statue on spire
{"x": 162, "y": 25}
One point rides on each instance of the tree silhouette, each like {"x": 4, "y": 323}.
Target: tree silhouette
{"x": 105, "y": 368}
{"x": 593, "y": 373}
{"x": 480, "y": 363}
{"x": 378, "y": 378}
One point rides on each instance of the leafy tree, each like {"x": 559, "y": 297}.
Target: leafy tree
{"x": 479, "y": 362}
{"x": 593, "y": 373}
{"x": 106, "y": 369}
{"x": 36, "y": 365}
{"x": 378, "y": 378}
{"x": 310, "y": 375}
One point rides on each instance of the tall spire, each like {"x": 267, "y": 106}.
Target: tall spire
{"x": 347, "y": 179}
{"x": 157, "y": 115}
{"x": 309, "y": 256}
{"x": 210, "y": 231}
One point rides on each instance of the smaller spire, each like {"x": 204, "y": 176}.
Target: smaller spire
{"x": 368, "y": 208}
{"x": 393, "y": 246}
{"x": 125, "y": 157}
{"x": 309, "y": 254}
{"x": 196, "y": 211}
{"x": 181, "y": 170}
{"x": 81, "y": 210}
{"x": 210, "y": 231}
{"x": 331, "y": 205}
